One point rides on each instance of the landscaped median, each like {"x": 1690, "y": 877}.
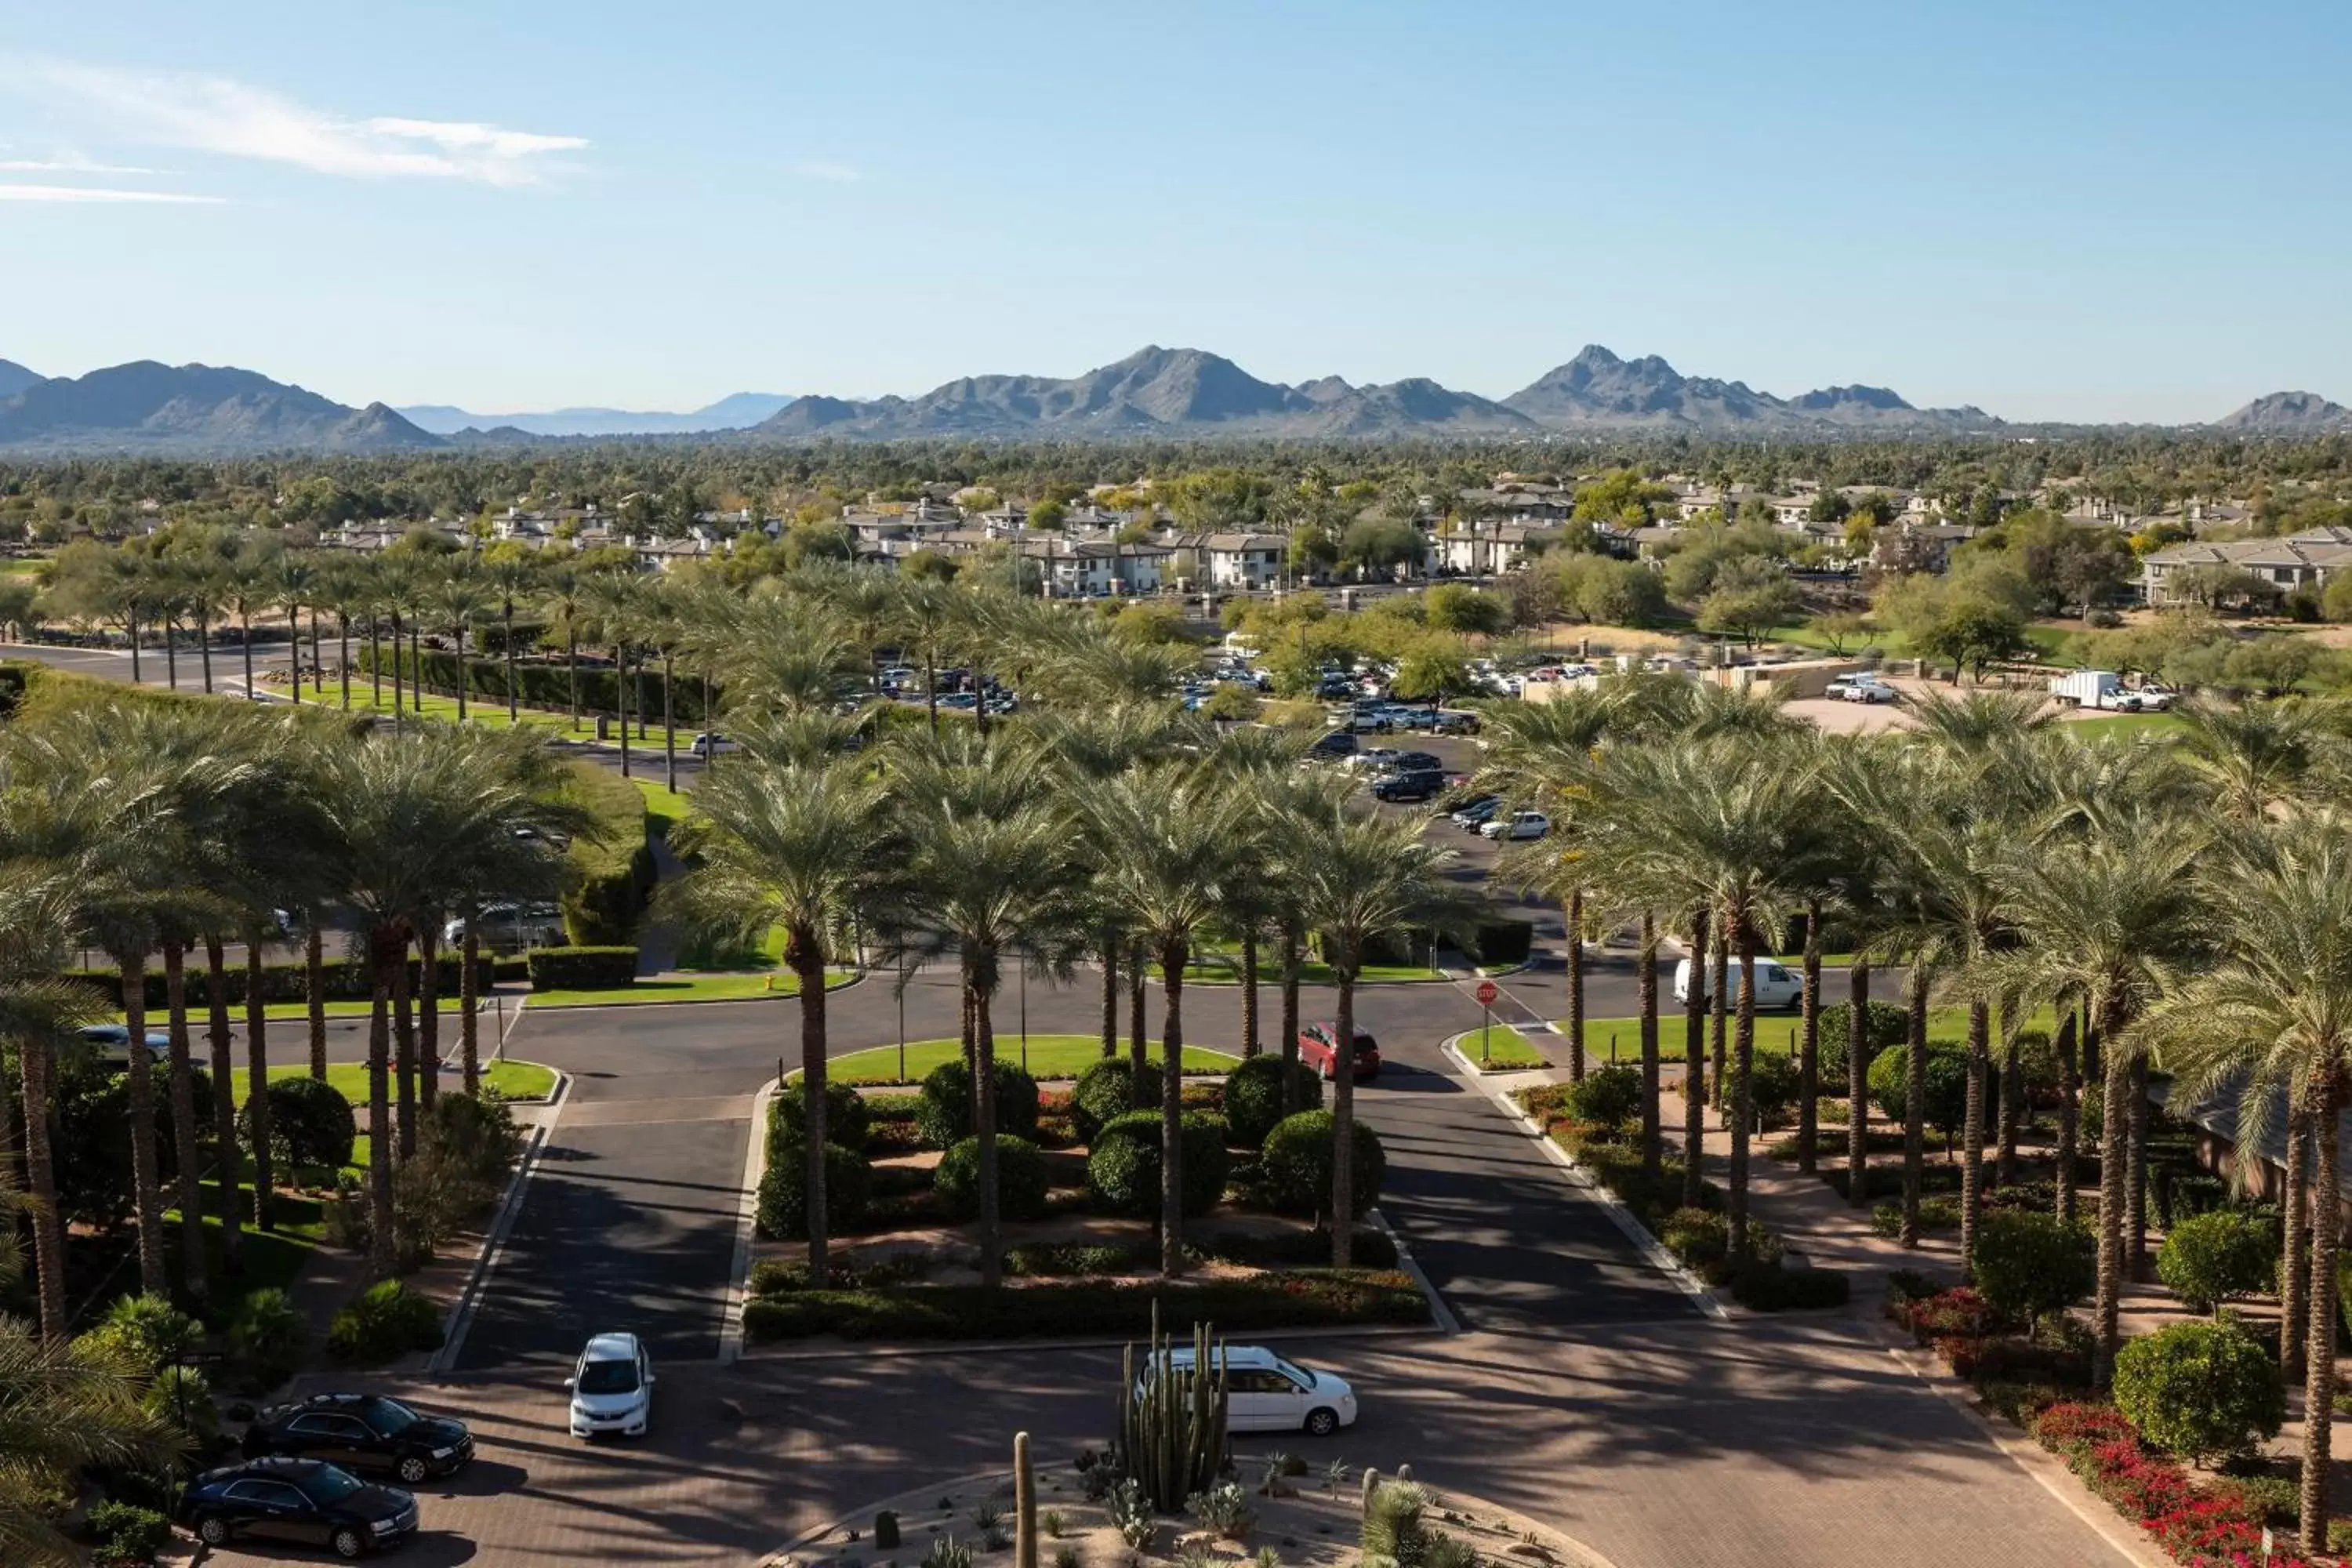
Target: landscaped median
{"x": 1500, "y": 1048}
{"x": 1049, "y": 1057}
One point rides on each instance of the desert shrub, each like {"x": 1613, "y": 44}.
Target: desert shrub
{"x": 782, "y": 1211}
{"x": 1253, "y": 1097}
{"x": 311, "y": 1123}
{"x": 385, "y": 1323}
{"x": 1608, "y": 1096}
{"x": 847, "y": 1120}
{"x": 1020, "y": 1180}
{"x": 182, "y": 1396}
{"x": 2204, "y": 1391}
{"x": 1295, "y": 1166}
{"x": 1946, "y": 1100}
{"x": 944, "y": 1112}
{"x": 1887, "y": 1025}
{"x": 125, "y": 1533}
{"x": 2027, "y": 1266}
{"x": 2210, "y": 1258}
{"x": 268, "y": 1334}
{"x": 140, "y": 1335}
{"x": 1123, "y": 1166}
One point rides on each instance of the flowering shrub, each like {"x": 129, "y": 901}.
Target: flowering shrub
{"x": 2218, "y": 1526}
{"x": 2064, "y": 1426}
{"x": 1958, "y": 1313}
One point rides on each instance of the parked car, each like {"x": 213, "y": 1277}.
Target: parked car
{"x": 509, "y": 927}
{"x": 710, "y": 742}
{"x": 1453, "y": 721}
{"x": 1412, "y": 784}
{"x": 296, "y": 1499}
{"x": 361, "y": 1432}
{"x": 1338, "y": 743}
{"x": 110, "y": 1045}
{"x": 1519, "y": 824}
{"x": 1863, "y": 686}
{"x": 1374, "y": 760}
{"x": 1777, "y": 986}
{"x": 1318, "y": 1050}
{"x": 1263, "y": 1392}
{"x": 612, "y": 1388}
{"x": 1413, "y": 762}
{"x": 1472, "y": 811}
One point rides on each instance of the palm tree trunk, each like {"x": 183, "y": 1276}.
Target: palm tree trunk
{"x": 2114, "y": 1132}
{"x": 314, "y": 991}
{"x": 1972, "y": 1129}
{"x": 506, "y": 616}
{"x": 41, "y": 1183}
{"x": 669, "y": 725}
{"x": 1576, "y": 985}
{"x": 224, "y": 1108}
{"x": 1290, "y": 960}
{"x": 2070, "y": 1088}
{"x": 245, "y": 632}
{"x": 1739, "y": 1112}
{"x": 375, "y": 668}
{"x": 1249, "y": 992}
{"x": 388, "y": 954}
{"x": 1718, "y": 1006}
{"x": 404, "y": 1037}
{"x": 416, "y": 666}
{"x": 571, "y": 669}
{"x": 184, "y": 1121}
{"x": 2295, "y": 1241}
{"x": 146, "y": 1174}
{"x": 130, "y": 630}
{"x": 2135, "y": 1173}
{"x": 1343, "y": 1120}
{"x": 1653, "y": 1151}
{"x": 621, "y": 702}
{"x": 172, "y": 652}
{"x": 428, "y": 1015}
{"x": 1694, "y": 1069}
{"x": 2319, "y": 1371}
{"x": 318, "y": 670}
{"x": 2012, "y": 1102}
{"x": 1110, "y": 993}
{"x": 1173, "y": 956}
{"x": 932, "y": 690}
{"x": 1809, "y": 1043}
{"x": 804, "y": 949}
{"x": 205, "y": 650}
{"x": 344, "y": 656}
{"x": 971, "y": 1037}
{"x": 462, "y": 672}
{"x": 257, "y": 1081}
{"x": 1139, "y": 1067}
{"x": 469, "y": 1001}
{"x": 1857, "y": 1084}
{"x": 1914, "y": 1101}
{"x": 983, "y": 1127}
{"x": 644, "y": 708}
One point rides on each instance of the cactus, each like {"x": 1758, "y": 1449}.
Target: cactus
{"x": 1172, "y": 1428}
{"x": 1024, "y": 1505}
{"x": 1372, "y": 1485}
{"x": 885, "y": 1531}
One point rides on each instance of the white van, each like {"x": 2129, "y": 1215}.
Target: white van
{"x": 1777, "y": 986}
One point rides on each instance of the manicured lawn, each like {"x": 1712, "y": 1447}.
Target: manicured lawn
{"x": 1049, "y": 1056}
{"x": 1776, "y": 1032}
{"x": 516, "y": 1080}
{"x": 1215, "y": 969}
{"x": 280, "y": 1011}
{"x": 1501, "y": 1047}
{"x": 668, "y": 806}
{"x": 733, "y": 985}
{"x": 2163, "y": 726}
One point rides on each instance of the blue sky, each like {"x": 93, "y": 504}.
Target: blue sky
{"x": 2091, "y": 209}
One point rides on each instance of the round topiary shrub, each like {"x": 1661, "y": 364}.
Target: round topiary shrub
{"x": 1105, "y": 1092}
{"x": 1773, "y": 1087}
{"x": 2029, "y": 1265}
{"x": 1608, "y": 1098}
{"x": 845, "y": 1116}
{"x": 1296, "y": 1165}
{"x": 1020, "y": 1180}
{"x": 1888, "y": 1025}
{"x": 1253, "y": 1097}
{"x": 311, "y": 1123}
{"x": 943, "y": 1114}
{"x": 1946, "y": 1100}
{"x": 1123, "y": 1166}
{"x": 2210, "y": 1258}
{"x": 781, "y": 1213}
{"x": 386, "y": 1322}
{"x": 2205, "y": 1391}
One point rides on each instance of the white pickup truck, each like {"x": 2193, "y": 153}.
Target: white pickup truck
{"x": 2105, "y": 689}
{"x": 1861, "y": 685}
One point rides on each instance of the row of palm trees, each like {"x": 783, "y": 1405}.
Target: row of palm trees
{"x": 2184, "y": 908}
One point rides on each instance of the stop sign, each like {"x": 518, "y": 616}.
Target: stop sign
{"x": 1487, "y": 993}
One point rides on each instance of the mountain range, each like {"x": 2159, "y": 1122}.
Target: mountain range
{"x": 1176, "y": 394}
{"x": 734, "y": 412}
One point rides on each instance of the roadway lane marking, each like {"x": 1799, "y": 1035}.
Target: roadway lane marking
{"x": 461, "y": 1316}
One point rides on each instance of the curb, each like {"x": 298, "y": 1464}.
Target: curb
{"x": 461, "y": 1311}
{"x": 1452, "y": 1046}
{"x": 692, "y": 1001}
{"x": 909, "y": 1349}
{"x": 747, "y": 1210}
{"x": 1637, "y": 1233}
{"x": 1443, "y": 1314}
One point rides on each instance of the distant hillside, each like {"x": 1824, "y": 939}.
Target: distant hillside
{"x": 194, "y": 408}
{"x": 734, "y": 412}
{"x": 1597, "y": 389}
{"x": 15, "y": 378}
{"x": 2288, "y": 414}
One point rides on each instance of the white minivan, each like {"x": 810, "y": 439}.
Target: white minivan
{"x": 1264, "y": 1392}
{"x": 1777, "y": 986}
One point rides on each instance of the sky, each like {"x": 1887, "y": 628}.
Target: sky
{"x": 2094, "y": 210}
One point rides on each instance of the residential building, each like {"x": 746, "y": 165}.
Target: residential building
{"x": 2305, "y": 560}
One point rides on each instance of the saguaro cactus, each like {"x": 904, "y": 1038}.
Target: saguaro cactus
{"x": 1024, "y": 1505}
{"x": 1172, "y": 1422}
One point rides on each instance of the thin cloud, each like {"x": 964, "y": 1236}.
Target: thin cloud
{"x": 832, "y": 173}
{"x": 67, "y": 166}
{"x": 97, "y": 193}
{"x": 213, "y": 114}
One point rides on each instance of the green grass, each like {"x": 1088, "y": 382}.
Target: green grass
{"x": 1776, "y": 1032}
{"x": 730, "y": 985}
{"x": 296, "y": 1012}
{"x": 667, "y": 806}
{"x": 1215, "y": 969}
{"x": 18, "y": 567}
{"x": 1503, "y": 1048}
{"x": 516, "y": 1080}
{"x": 2163, "y": 726}
{"x": 1050, "y": 1057}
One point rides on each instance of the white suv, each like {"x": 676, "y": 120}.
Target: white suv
{"x": 1862, "y": 686}
{"x": 612, "y": 1388}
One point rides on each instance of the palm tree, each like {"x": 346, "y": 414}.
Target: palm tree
{"x": 294, "y": 582}
{"x": 455, "y": 601}
{"x": 808, "y": 850}
{"x": 509, "y": 575}
{"x": 1169, "y": 837}
{"x": 2268, "y": 1025}
{"x": 564, "y": 597}
{"x": 38, "y": 904}
{"x": 1361, "y": 879}
{"x": 2254, "y": 755}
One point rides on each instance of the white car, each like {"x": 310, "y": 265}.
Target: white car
{"x": 1865, "y": 688}
{"x": 1777, "y": 986}
{"x": 1264, "y": 1392}
{"x": 1519, "y": 824}
{"x": 612, "y": 1388}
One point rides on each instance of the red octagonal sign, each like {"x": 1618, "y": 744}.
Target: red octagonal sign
{"x": 1487, "y": 993}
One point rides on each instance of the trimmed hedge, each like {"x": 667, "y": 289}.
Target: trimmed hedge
{"x": 847, "y": 1118}
{"x": 290, "y": 981}
{"x": 541, "y": 685}
{"x": 1307, "y": 1299}
{"x": 1021, "y": 1182}
{"x": 1888, "y": 1025}
{"x": 311, "y": 1122}
{"x": 781, "y": 1213}
{"x": 582, "y": 968}
{"x": 1253, "y": 1097}
{"x": 1105, "y": 1091}
{"x": 610, "y": 868}
{"x": 1296, "y": 1165}
{"x": 1123, "y": 1167}
{"x": 1503, "y": 943}
{"x": 944, "y": 1111}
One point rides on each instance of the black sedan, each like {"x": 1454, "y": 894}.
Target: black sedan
{"x": 298, "y": 1501}
{"x": 361, "y": 1432}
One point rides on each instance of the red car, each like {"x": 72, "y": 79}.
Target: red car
{"x": 1318, "y": 1048}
